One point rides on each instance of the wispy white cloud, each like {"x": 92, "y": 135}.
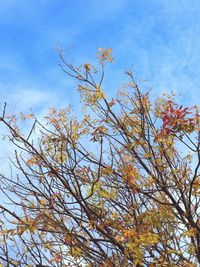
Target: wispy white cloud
{"x": 162, "y": 42}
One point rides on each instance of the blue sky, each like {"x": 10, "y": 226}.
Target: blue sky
{"x": 160, "y": 38}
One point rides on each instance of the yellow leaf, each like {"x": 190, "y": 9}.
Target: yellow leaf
{"x": 191, "y": 232}
{"x": 47, "y": 246}
{"x": 76, "y": 252}
{"x": 87, "y": 67}
{"x": 43, "y": 201}
{"x": 33, "y": 161}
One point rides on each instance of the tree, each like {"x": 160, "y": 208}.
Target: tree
{"x": 118, "y": 186}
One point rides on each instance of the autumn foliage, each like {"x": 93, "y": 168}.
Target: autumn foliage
{"x": 117, "y": 186}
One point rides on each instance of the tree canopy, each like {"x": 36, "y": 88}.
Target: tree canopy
{"x": 118, "y": 185}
